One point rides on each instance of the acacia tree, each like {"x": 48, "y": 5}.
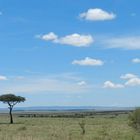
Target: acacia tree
{"x": 11, "y": 100}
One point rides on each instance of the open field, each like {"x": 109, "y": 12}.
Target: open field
{"x": 100, "y": 126}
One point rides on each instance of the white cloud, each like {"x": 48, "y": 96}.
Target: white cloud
{"x": 109, "y": 84}
{"x": 75, "y": 39}
{"x": 136, "y": 60}
{"x": 60, "y": 83}
{"x": 50, "y": 36}
{"x": 128, "y": 43}
{"x": 88, "y": 62}
{"x": 132, "y": 79}
{"x": 3, "y": 78}
{"x": 128, "y": 76}
{"x": 97, "y": 15}
{"x": 82, "y": 83}
{"x": 133, "y": 82}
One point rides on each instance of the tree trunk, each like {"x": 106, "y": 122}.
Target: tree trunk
{"x": 11, "y": 117}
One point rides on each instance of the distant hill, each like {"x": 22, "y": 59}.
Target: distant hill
{"x": 68, "y": 108}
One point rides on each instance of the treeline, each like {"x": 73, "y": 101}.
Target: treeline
{"x": 112, "y": 114}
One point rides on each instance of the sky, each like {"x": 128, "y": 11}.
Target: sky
{"x": 71, "y": 52}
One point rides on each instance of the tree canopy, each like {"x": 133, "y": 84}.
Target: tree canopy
{"x": 11, "y": 99}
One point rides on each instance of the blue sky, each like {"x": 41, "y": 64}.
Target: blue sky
{"x": 71, "y": 53}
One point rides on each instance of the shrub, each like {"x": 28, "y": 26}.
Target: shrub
{"x": 82, "y": 125}
{"x": 134, "y": 118}
{"x": 23, "y": 128}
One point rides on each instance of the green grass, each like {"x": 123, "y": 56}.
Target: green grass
{"x": 98, "y": 128}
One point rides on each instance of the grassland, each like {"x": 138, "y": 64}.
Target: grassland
{"x": 97, "y": 127}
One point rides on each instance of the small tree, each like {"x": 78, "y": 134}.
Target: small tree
{"x": 82, "y": 125}
{"x": 11, "y": 100}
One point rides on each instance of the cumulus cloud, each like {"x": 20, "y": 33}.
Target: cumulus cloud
{"x": 127, "y": 43}
{"x": 49, "y": 36}
{"x": 3, "y": 78}
{"x": 133, "y": 82}
{"x": 75, "y": 39}
{"x": 136, "y": 60}
{"x": 128, "y": 76}
{"x": 132, "y": 79}
{"x": 109, "y": 84}
{"x": 97, "y": 15}
{"x": 88, "y": 62}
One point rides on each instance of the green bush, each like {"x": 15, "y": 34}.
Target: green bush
{"x": 134, "y": 118}
{"x": 22, "y": 128}
{"x": 82, "y": 126}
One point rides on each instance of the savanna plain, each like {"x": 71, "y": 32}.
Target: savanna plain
{"x": 94, "y": 127}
